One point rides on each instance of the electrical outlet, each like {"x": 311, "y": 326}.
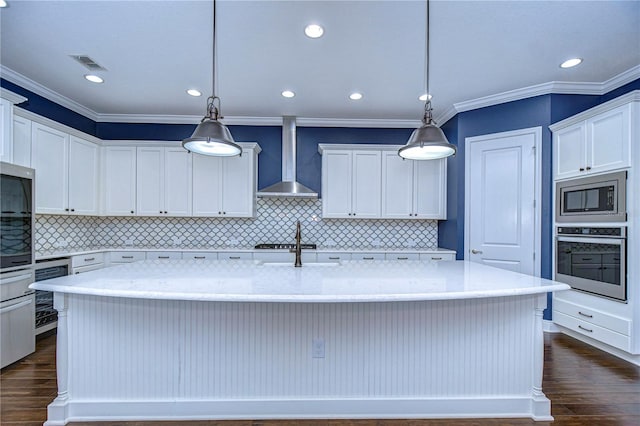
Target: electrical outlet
{"x": 317, "y": 348}
{"x": 61, "y": 244}
{"x": 176, "y": 241}
{"x": 128, "y": 242}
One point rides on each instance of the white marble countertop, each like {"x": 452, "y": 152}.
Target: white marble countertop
{"x": 251, "y": 281}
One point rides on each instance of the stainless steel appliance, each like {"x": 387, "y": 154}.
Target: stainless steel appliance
{"x": 17, "y": 307}
{"x": 46, "y": 317}
{"x": 600, "y": 198}
{"x": 593, "y": 259}
{"x": 16, "y": 216}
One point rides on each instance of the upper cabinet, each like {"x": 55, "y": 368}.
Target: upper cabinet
{"x": 21, "y": 141}
{"x": 592, "y": 143}
{"x": 163, "y": 181}
{"x": 373, "y": 182}
{"x": 7, "y": 100}
{"x": 351, "y": 182}
{"x": 225, "y": 186}
{"x": 119, "y": 180}
{"x": 66, "y": 172}
{"x": 413, "y": 189}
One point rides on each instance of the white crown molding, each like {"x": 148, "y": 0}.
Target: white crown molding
{"x": 557, "y": 87}
{"x": 14, "y": 98}
{"x": 37, "y": 88}
{"x": 54, "y": 125}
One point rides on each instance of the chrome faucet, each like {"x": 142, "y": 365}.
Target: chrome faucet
{"x": 298, "y": 249}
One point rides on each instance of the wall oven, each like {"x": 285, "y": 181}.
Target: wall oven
{"x": 593, "y": 259}
{"x": 16, "y": 216}
{"x": 600, "y": 198}
{"x": 46, "y": 317}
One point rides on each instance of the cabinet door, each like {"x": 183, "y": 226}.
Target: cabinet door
{"x": 50, "y": 157}
{"x": 609, "y": 136}
{"x": 83, "y": 176}
{"x": 207, "y": 185}
{"x": 177, "y": 182}
{"x": 366, "y": 184}
{"x": 6, "y": 136}
{"x": 21, "y": 141}
{"x": 336, "y": 184}
{"x": 397, "y": 186}
{"x": 238, "y": 191}
{"x": 430, "y": 189}
{"x": 150, "y": 181}
{"x": 119, "y": 180}
{"x": 570, "y": 151}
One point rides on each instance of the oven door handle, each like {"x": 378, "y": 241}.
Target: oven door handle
{"x": 591, "y": 240}
{"x": 16, "y": 306}
{"x": 16, "y": 278}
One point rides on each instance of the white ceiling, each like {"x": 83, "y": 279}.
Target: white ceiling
{"x": 154, "y": 50}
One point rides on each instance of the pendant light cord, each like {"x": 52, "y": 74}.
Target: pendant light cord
{"x": 428, "y": 114}
{"x": 213, "y": 112}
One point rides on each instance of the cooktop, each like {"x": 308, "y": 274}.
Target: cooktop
{"x": 268, "y": 246}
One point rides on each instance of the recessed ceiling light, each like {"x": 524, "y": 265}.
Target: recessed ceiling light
{"x": 194, "y": 92}
{"x": 3, "y": 3}
{"x": 93, "y": 78}
{"x": 313, "y": 31}
{"x": 424, "y": 97}
{"x": 288, "y": 94}
{"x": 355, "y": 96}
{"x": 571, "y": 63}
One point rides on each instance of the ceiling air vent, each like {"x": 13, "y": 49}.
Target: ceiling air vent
{"x": 88, "y": 62}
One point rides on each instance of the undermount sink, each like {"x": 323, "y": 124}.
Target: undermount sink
{"x": 304, "y": 265}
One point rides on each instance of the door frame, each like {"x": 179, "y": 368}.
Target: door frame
{"x": 537, "y": 136}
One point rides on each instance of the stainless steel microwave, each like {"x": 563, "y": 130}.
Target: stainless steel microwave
{"x": 601, "y": 198}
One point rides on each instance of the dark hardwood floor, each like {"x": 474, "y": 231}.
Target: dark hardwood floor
{"x": 586, "y": 387}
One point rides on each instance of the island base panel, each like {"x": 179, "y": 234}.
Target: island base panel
{"x": 133, "y": 359}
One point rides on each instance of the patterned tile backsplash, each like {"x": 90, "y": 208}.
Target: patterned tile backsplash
{"x": 274, "y": 223}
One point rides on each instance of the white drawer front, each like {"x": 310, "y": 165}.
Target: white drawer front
{"x": 164, "y": 255}
{"x": 200, "y": 255}
{"x": 437, "y": 256}
{"x": 402, "y": 256}
{"x": 82, "y": 269}
{"x": 367, "y": 256}
{"x": 594, "y": 331}
{"x": 87, "y": 259}
{"x": 599, "y": 318}
{"x": 283, "y": 256}
{"x": 231, "y": 255}
{"x": 333, "y": 257}
{"x": 127, "y": 256}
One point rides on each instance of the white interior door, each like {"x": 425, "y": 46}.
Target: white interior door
{"x": 501, "y": 221}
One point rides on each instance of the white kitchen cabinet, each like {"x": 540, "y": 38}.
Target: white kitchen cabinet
{"x": 21, "y": 141}
{"x": 351, "y": 183}
{"x": 595, "y": 144}
{"x": 163, "y": 181}
{"x": 200, "y": 255}
{"x": 119, "y": 180}
{"x": 413, "y": 189}
{"x": 225, "y": 186}
{"x": 117, "y": 257}
{"x": 164, "y": 255}
{"x": 6, "y": 133}
{"x": 66, "y": 172}
{"x": 235, "y": 255}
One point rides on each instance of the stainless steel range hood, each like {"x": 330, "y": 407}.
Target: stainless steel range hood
{"x": 288, "y": 187}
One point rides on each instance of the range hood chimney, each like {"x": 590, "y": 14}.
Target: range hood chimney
{"x": 288, "y": 187}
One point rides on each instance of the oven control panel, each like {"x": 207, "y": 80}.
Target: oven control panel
{"x": 594, "y": 231}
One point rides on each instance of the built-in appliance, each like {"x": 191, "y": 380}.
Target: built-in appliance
{"x": 593, "y": 259}
{"x": 46, "y": 317}
{"x": 600, "y": 198}
{"x": 16, "y": 216}
{"x": 17, "y": 338}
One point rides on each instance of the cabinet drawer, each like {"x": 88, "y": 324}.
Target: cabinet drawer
{"x": 232, "y": 255}
{"x": 333, "y": 257}
{"x": 283, "y": 256}
{"x": 83, "y": 269}
{"x": 87, "y": 259}
{"x": 592, "y": 316}
{"x": 402, "y": 256}
{"x": 164, "y": 255}
{"x": 435, "y": 257}
{"x": 127, "y": 256}
{"x": 594, "y": 331}
{"x": 367, "y": 256}
{"x": 200, "y": 255}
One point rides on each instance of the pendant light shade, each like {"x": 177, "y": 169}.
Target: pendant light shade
{"x": 211, "y": 137}
{"x": 427, "y": 142}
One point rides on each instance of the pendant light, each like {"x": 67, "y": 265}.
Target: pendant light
{"x": 427, "y": 142}
{"x": 212, "y": 137}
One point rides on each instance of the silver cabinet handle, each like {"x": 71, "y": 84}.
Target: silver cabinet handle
{"x": 474, "y": 251}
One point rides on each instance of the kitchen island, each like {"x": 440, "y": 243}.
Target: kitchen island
{"x": 194, "y": 340}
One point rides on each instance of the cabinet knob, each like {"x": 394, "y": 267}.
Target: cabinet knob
{"x": 73, "y": 210}
{"x": 66, "y": 210}
{"x": 160, "y": 211}
{"x": 165, "y": 212}
{"x": 582, "y": 169}
{"x": 588, "y": 167}
{"x": 354, "y": 214}
{"x": 131, "y": 211}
